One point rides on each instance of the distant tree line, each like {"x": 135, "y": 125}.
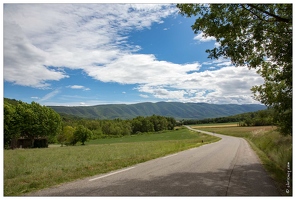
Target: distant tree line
{"x": 23, "y": 120}
{"x": 258, "y": 118}
{"x": 112, "y": 128}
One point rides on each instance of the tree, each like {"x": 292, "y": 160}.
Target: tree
{"x": 142, "y": 124}
{"x": 61, "y": 138}
{"x": 257, "y": 36}
{"x": 160, "y": 123}
{"x": 29, "y": 121}
{"x": 67, "y": 136}
{"x": 10, "y": 127}
{"x": 82, "y": 134}
{"x": 171, "y": 123}
{"x": 35, "y": 120}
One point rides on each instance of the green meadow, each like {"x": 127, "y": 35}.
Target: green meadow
{"x": 27, "y": 170}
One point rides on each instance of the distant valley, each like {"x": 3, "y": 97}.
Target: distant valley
{"x": 170, "y": 109}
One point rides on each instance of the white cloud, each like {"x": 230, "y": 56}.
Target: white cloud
{"x": 140, "y": 69}
{"x": 144, "y": 96}
{"x": 24, "y": 63}
{"x": 225, "y": 85}
{"x": 79, "y": 87}
{"x": 163, "y": 93}
{"x": 42, "y": 39}
{"x": 220, "y": 62}
{"x": 76, "y": 86}
{"x": 76, "y": 36}
{"x": 201, "y": 38}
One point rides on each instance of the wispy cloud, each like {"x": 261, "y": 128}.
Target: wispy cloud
{"x": 50, "y": 95}
{"x": 144, "y": 96}
{"x": 79, "y": 87}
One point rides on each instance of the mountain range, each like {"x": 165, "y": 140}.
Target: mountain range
{"x": 169, "y": 109}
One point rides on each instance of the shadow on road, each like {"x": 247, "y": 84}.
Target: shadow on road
{"x": 244, "y": 181}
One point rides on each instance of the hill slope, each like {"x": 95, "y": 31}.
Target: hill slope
{"x": 170, "y": 109}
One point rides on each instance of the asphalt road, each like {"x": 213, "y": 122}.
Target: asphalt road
{"x": 225, "y": 168}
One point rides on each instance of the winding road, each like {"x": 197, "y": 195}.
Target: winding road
{"x": 228, "y": 167}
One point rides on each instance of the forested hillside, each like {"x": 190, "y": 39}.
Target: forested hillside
{"x": 168, "y": 109}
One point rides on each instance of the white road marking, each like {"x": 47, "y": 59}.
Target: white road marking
{"x": 111, "y": 174}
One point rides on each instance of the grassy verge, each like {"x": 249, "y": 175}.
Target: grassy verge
{"x": 274, "y": 149}
{"x": 27, "y": 170}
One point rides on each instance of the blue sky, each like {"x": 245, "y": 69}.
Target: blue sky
{"x": 91, "y": 54}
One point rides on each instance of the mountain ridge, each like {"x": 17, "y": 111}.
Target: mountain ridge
{"x": 177, "y": 110}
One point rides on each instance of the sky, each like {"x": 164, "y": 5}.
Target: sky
{"x": 92, "y": 54}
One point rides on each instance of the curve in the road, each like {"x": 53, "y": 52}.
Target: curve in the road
{"x": 225, "y": 168}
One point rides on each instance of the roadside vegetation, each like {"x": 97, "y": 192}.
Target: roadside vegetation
{"x": 258, "y": 118}
{"x": 274, "y": 149}
{"x": 27, "y": 170}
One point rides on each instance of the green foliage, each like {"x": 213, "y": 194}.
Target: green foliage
{"x": 142, "y": 124}
{"x": 82, "y": 134}
{"x": 258, "y": 118}
{"x": 29, "y": 121}
{"x": 35, "y": 120}
{"x": 10, "y": 126}
{"x": 114, "y": 128}
{"x": 257, "y": 36}
{"x": 68, "y": 132}
{"x": 66, "y": 136}
{"x": 119, "y": 127}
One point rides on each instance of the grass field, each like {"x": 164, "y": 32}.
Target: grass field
{"x": 274, "y": 149}
{"x": 27, "y": 170}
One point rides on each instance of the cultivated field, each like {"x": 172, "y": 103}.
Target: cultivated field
{"x": 26, "y": 170}
{"x": 216, "y": 125}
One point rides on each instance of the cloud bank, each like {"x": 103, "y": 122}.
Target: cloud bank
{"x": 40, "y": 40}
